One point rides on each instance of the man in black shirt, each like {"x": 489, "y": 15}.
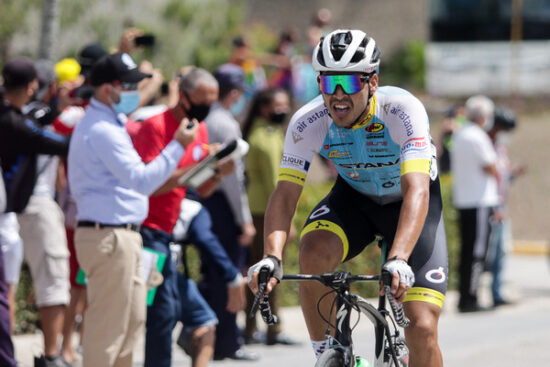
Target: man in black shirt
{"x": 20, "y": 143}
{"x": 20, "y": 139}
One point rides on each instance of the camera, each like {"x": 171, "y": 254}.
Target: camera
{"x": 145, "y": 40}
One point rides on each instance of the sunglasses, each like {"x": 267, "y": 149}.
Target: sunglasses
{"x": 350, "y": 83}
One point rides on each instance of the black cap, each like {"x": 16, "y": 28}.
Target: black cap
{"x": 504, "y": 118}
{"x": 230, "y": 76}
{"x": 18, "y": 72}
{"x": 89, "y": 55}
{"x": 116, "y": 67}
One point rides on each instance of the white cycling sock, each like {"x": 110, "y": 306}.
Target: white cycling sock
{"x": 320, "y": 346}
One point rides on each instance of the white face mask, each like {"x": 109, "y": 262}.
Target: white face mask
{"x": 504, "y": 138}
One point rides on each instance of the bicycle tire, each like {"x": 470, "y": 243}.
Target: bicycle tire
{"x": 330, "y": 358}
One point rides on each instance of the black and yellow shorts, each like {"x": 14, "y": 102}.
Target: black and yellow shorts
{"x": 356, "y": 219}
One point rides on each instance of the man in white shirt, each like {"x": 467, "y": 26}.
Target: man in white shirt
{"x": 475, "y": 195}
{"x": 111, "y": 186}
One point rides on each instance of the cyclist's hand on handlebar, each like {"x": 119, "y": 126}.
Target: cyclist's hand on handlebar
{"x": 402, "y": 277}
{"x": 275, "y": 267}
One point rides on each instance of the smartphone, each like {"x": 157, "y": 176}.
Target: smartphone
{"x": 145, "y": 40}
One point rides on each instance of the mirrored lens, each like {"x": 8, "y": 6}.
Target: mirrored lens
{"x": 350, "y": 83}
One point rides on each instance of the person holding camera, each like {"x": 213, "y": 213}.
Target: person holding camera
{"x": 111, "y": 184}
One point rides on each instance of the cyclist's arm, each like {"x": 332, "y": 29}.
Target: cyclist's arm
{"x": 277, "y": 223}
{"x": 416, "y": 195}
{"x": 278, "y": 217}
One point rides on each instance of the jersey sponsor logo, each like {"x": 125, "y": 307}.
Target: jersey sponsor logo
{"x": 377, "y": 150}
{"x": 338, "y": 154}
{"x": 328, "y": 146}
{"x": 436, "y": 275}
{"x": 319, "y": 212}
{"x": 296, "y": 137}
{"x": 301, "y": 125}
{"x": 375, "y": 127}
{"x": 377, "y": 143}
{"x": 368, "y": 165}
{"x": 388, "y": 184}
{"x": 414, "y": 144}
{"x": 403, "y": 116}
{"x": 375, "y": 136}
{"x": 381, "y": 155}
{"x": 295, "y": 162}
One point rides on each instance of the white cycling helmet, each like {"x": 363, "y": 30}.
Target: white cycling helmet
{"x": 346, "y": 51}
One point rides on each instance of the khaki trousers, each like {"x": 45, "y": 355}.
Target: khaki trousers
{"x": 116, "y": 311}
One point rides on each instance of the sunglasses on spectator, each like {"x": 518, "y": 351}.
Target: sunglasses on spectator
{"x": 350, "y": 83}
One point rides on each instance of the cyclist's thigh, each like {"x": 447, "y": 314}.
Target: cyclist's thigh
{"x": 429, "y": 258}
{"x": 338, "y": 213}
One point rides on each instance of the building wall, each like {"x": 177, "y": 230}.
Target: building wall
{"x": 390, "y": 22}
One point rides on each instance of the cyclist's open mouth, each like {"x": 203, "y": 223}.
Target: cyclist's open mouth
{"x": 341, "y": 110}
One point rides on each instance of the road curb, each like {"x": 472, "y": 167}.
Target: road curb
{"x": 531, "y": 247}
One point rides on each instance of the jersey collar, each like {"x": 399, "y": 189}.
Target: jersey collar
{"x": 367, "y": 118}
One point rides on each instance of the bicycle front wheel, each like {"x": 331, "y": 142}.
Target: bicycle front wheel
{"x": 331, "y": 358}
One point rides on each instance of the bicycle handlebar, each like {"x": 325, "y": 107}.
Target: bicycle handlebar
{"x": 397, "y": 308}
{"x": 336, "y": 279}
{"x": 263, "y": 303}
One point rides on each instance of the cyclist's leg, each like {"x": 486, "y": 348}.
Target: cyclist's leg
{"x": 424, "y": 300}
{"x": 335, "y": 231}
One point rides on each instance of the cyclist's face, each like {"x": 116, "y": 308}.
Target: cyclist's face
{"x": 344, "y": 106}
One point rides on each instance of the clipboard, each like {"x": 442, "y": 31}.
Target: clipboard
{"x": 206, "y": 168}
{"x": 152, "y": 275}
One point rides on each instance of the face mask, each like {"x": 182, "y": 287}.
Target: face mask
{"x": 277, "y": 118}
{"x": 197, "y": 111}
{"x": 238, "y": 107}
{"x": 129, "y": 102}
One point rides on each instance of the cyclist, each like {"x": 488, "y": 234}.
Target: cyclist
{"x": 379, "y": 141}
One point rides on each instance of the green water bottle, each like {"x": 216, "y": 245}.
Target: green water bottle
{"x": 361, "y": 362}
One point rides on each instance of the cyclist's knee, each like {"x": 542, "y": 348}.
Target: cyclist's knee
{"x": 320, "y": 251}
{"x": 424, "y": 318}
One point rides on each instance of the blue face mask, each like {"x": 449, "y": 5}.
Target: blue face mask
{"x": 239, "y": 106}
{"x": 129, "y": 102}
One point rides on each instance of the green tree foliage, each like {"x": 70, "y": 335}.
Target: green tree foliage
{"x": 405, "y": 67}
{"x": 12, "y": 19}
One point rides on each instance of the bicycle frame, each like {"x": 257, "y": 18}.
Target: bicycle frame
{"x": 346, "y": 302}
{"x": 385, "y": 342}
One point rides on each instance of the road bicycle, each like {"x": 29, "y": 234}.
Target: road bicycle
{"x": 390, "y": 349}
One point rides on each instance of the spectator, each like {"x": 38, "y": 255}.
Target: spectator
{"x": 6, "y": 305}
{"x": 263, "y": 131}
{"x": 12, "y": 247}
{"x": 231, "y": 218}
{"x": 198, "y": 90}
{"x": 454, "y": 119}
{"x": 20, "y": 142}
{"x": 319, "y": 27}
{"x": 110, "y": 185}
{"x": 473, "y": 167}
{"x": 255, "y": 78}
{"x": 65, "y": 124}
{"x": 42, "y": 228}
{"x": 6, "y": 346}
{"x": 197, "y": 337}
{"x": 504, "y": 123}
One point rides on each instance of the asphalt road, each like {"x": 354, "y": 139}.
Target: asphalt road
{"x": 515, "y": 335}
